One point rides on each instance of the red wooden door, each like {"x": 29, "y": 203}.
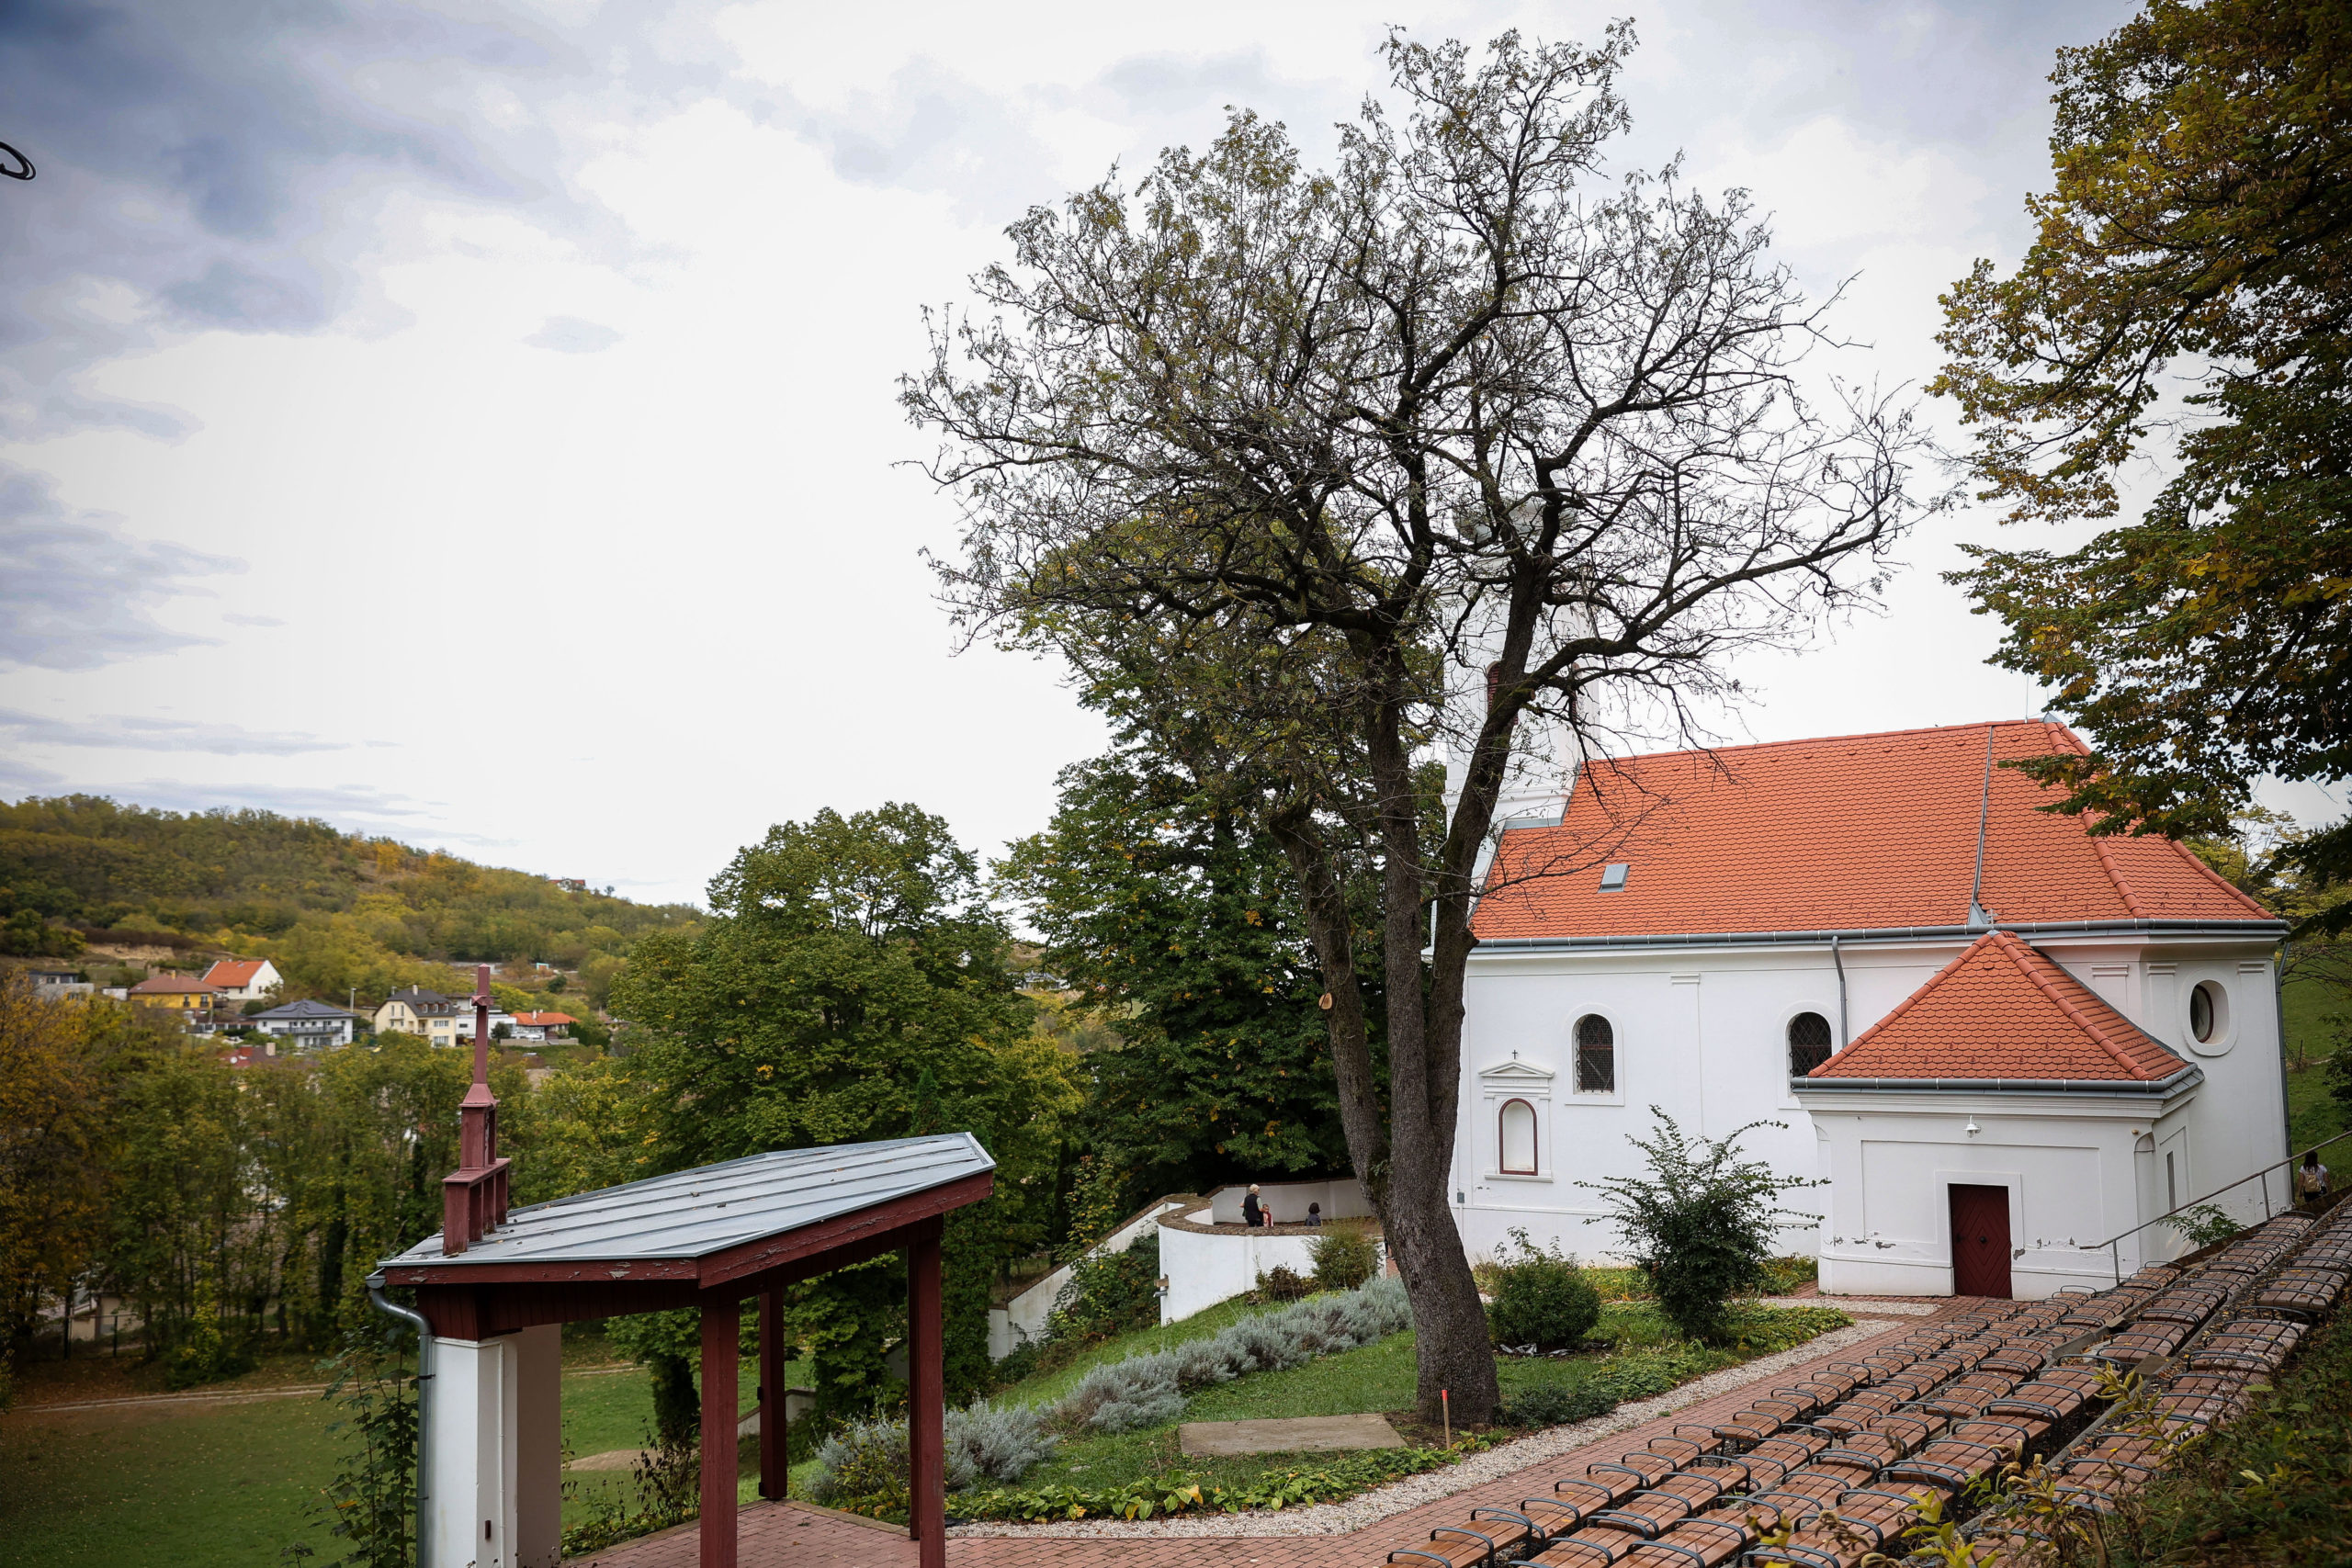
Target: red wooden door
{"x": 1980, "y": 1241}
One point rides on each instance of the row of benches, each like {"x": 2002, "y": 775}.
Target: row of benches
{"x": 1825, "y": 1470}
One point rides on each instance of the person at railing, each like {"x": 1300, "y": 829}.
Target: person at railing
{"x": 2310, "y": 1181}
{"x": 1253, "y": 1213}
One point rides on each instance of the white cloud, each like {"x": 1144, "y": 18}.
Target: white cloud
{"x": 619, "y": 606}
{"x": 570, "y": 335}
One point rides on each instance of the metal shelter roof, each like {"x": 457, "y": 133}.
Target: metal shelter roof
{"x": 711, "y": 1208}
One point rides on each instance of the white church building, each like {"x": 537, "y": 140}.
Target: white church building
{"x": 1999, "y": 1041}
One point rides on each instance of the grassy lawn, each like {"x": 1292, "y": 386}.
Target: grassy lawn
{"x": 225, "y": 1487}
{"x": 2313, "y": 1016}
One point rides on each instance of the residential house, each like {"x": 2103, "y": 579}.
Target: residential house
{"x": 51, "y": 984}
{"x": 419, "y": 1011}
{"x": 240, "y": 980}
{"x": 308, "y": 1025}
{"x": 542, "y": 1025}
{"x": 2003, "y": 1046}
{"x": 445, "y": 1021}
{"x": 174, "y": 992}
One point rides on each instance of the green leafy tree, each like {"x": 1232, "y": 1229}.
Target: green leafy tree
{"x": 1348, "y": 464}
{"x": 853, "y": 985}
{"x": 1170, "y": 911}
{"x": 2189, "y": 277}
{"x": 63, "y": 1067}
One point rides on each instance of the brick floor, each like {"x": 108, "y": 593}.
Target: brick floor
{"x": 784, "y": 1535}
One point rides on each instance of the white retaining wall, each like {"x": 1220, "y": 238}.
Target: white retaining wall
{"x": 1203, "y": 1268}
{"x": 1023, "y": 1318}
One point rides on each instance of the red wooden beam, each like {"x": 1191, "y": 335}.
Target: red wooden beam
{"x": 720, "y": 1315}
{"x": 926, "y": 1400}
{"x": 772, "y": 1457}
{"x": 782, "y": 1255}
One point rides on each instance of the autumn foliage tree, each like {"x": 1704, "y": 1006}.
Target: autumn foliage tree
{"x": 1461, "y": 436}
{"x": 2188, "y": 298}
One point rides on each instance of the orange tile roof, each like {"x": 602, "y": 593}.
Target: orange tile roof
{"x": 545, "y": 1019}
{"x": 233, "y": 972}
{"x": 2003, "y": 1010}
{"x": 168, "y": 985}
{"x": 1853, "y": 832}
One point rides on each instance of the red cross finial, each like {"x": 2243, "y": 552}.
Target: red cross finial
{"x": 473, "y": 1197}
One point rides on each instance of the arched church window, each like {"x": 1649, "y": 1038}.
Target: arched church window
{"x": 1596, "y": 1055}
{"x": 1809, "y": 1043}
{"x": 1517, "y": 1138}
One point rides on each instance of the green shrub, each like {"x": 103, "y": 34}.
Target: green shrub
{"x": 2204, "y": 1224}
{"x": 1540, "y": 1299}
{"x": 1109, "y": 1295}
{"x": 1556, "y": 1404}
{"x": 1282, "y": 1283}
{"x": 1702, "y": 1225}
{"x": 1344, "y": 1257}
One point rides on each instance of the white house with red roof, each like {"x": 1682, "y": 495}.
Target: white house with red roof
{"x": 1999, "y": 1040}
{"x": 242, "y": 980}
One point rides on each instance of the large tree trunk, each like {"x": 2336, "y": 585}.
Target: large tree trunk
{"x": 1424, "y": 1080}
{"x": 1406, "y": 1158}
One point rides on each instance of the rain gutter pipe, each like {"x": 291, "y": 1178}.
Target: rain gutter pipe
{"x": 2278, "y": 1005}
{"x": 423, "y": 1407}
{"x": 1844, "y": 1037}
{"x": 2188, "y": 1078}
{"x": 2241, "y": 931}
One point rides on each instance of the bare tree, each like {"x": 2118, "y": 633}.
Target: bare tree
{"x": 1327, "y": 471}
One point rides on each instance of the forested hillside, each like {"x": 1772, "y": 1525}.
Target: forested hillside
{"x": 334, "y": 910}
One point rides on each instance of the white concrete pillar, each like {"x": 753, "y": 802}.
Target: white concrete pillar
{"x": 494, "y": 1498}
{"x": 471, "y": 1503}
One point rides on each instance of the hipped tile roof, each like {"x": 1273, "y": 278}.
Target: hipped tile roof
{"x": 1854, "y": 832}
{"x": 545, "y": 1019}
{"x": 2003, "y": 1010}
{"x": 168, "y": 985}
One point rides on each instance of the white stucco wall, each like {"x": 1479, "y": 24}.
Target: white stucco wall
{"x": 1701, "y": 1032}
{"x": 1206, "y": 1267}
{"x": 1023, "y": 1318}
{"x": 2068, "y": 1162}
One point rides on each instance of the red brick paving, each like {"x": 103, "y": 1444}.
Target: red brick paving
{"x": 784, "y": 1535}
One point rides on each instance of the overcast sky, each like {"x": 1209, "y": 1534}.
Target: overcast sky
{"x": 476, "y": 424}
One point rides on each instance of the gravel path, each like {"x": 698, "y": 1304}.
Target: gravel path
{"x": 1338, "y": 1518}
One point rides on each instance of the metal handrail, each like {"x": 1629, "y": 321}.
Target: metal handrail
{"x": 2114, "y": 1244}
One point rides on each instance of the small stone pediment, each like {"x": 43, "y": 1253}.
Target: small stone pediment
{"x": 1515, "y": 1073}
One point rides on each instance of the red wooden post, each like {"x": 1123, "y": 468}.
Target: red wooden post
{"x": 773, "y": 1476}
{"x": 720, "y": 1314}
{"x": 927, "y": 1401}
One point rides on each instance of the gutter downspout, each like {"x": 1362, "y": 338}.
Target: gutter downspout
{"x": 423, "y": 1407}
{"x": 1844, "y": 1037}
{"x": 2278, "y": 1005}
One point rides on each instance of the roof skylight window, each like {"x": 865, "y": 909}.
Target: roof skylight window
{"x": 1612, "y": 877}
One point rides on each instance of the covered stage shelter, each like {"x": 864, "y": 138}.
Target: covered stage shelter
{"x": 493, "y": 1288}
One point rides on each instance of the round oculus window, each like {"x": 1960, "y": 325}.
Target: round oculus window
{"x": 2209, "y": 1019}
